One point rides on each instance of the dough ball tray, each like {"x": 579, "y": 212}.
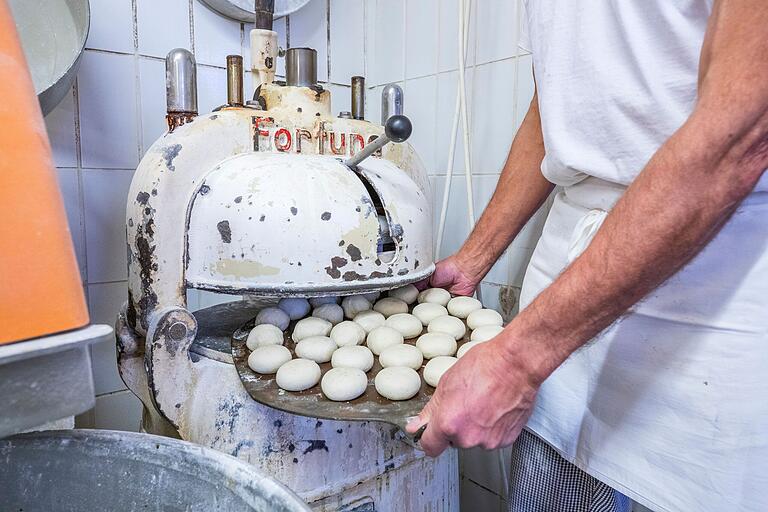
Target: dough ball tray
{"x": 370, "y": 406}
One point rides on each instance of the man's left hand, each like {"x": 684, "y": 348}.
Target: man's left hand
{"x": 484, "y": 400}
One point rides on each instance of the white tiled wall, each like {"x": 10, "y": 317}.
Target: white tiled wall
{"x": 116, "y": 110}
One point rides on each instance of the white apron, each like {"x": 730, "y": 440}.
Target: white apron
{"x": 670, "y": 404}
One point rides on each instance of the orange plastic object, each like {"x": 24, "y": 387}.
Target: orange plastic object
{"x": 40, "y": 289}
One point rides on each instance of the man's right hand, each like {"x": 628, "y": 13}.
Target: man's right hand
{"x": 455, "y": 275}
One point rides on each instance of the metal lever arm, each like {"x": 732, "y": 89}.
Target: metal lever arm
{"x": 397, "y": 129}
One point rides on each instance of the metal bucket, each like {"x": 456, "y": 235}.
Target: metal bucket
{"x": 104, "y": 470}
{"x": 53, "y": 34}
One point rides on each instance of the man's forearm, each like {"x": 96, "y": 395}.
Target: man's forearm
{"x": 677, "y": 204}
{"x": 520, "y": 192}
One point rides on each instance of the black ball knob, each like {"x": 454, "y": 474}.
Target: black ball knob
{"x": 398, "y": 128}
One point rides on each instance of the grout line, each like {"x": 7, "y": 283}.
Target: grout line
{"x": 137, "y": 83}
{"x": 80, "y": 188}
{"x": 191, "y": 27}
{"x": 118, "y": 281}
{"x": 328, "y": 38}
{"x": 287, "y": 32}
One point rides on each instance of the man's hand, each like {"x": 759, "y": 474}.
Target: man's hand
{"x": 455, "y": 276}
{"x": 483, "y": 400}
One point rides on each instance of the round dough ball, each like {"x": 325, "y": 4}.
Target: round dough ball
{"x": 448, "y": 325}
{"x": 461, "y": 307}
{"x": 486, "y": 332}
{"x": 401, "y": 355}
{"x": 434, "y": 344}
{"x": 428, "y": 311}
{"x": 388, "y": 306}
{"x": 354, "y": 304}
{"x": 317, "y": 348}
{"x": 319, "y": 301}
{"x": 408, "y": 293}
{"x": 273, "y": 316}
{"x": 264, "y": 334}
{"x": 481, "y": 317}
{"x": 408, "y": 325}
{"x": 435, "y": 295}
{"x": 342, "y": 384}
{"x": 347, "y": 333}
{"x": 397, "y": 383}
{"x": 372, "y": 296}
{"x": 298, "y": 375}
{"x": 353, "y": 356}
{"x": 331, "y": 312}
{"x": 436, "y": 368}
{"x": 383, "y": 337}
{"x": 295, "y": 308}
{"x": 269, "y": 358}
{"x": 466, "y": 347}
{"x": 310, "y": 326}
{"x": 369, "y": 320}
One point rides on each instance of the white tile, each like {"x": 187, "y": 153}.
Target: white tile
{"x": 448, "y": 42}
{"x": 341, "y": 100}
{"x": 111, "y": 26}
{"x": 525, "y": 87}
{"x": 152, "y": 99}
{"x": 421, "y": 37}
{"x": 421, "y": 109}
{"x": 162, "y": 26}
{"x": 105, "y": 193}
{"x": 60, "y": 124}
{"x": 447, "y": 87}
{"x": 309, "y": 28}
{"x": 385, "y": 39}
{"x": 457, "y": 218}
{"x": 474, "y": 498}
{"x": 211, "y": 88}
{"x": 108, "y": 120}
{"x": 498, "y": 37}
{"x": 70, "y": 193}
{"x": 493, "y": 115}
{"x": 347, "y": 36}
{"x": 104, "y": 303}
{"x": 118, "y": 411}
{"x": 279, "y": 26}
{"x": 373, "y": 103}
{"x": 215, "y": 36}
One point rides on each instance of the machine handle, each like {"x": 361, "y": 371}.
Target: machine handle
{"x": 397, "y": 129}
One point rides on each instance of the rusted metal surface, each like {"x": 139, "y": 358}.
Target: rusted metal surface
{"x": 75, "y": 470}
{"x": 172, "y": 173}
{"x": 330, "y": 464}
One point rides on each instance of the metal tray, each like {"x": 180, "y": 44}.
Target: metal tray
{"x": 370, "y": 406}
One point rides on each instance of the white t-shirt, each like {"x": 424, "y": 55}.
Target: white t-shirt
{"x": 615, "y": 79}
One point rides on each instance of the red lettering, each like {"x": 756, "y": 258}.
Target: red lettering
{"x": 283, "y": 140}
{"x": 355, "y": 137}
{"x": 341, "y": 149}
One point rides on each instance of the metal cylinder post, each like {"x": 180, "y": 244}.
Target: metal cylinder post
{"x": 358, "y": 97}
{"x": 301, "y": 67}
{"x": 263, "y": 14}
{"x": 235, "y": 80}
{"x": 181, "y": 82}
{"x": 391, "y": 102}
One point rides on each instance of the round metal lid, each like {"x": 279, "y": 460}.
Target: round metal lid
{"x": 53, "y": 34}
{"x": 242, "y": 10}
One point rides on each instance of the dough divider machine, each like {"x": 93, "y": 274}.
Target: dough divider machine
{"x": 268, "y": 198}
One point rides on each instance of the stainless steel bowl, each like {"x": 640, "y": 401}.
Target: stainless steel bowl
{"x": 53, "y": 34}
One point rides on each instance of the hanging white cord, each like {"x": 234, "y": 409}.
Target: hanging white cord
{"x": 452, "y": 147}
